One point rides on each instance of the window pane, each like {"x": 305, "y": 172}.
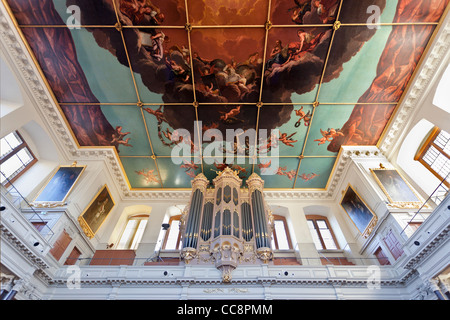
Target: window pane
{"x": 127, "y": 235}
{"x": 139, "y": 233}
{"x": 4, "y": 147}
{"x": 314, "y": 235}
{"x": 172, "y": 238}
{"x": 10, "y": 167}
{"x": 9, "y": 142}
{"x": 443, "y": 141}
{"x": 328, "y": 239}
{"x": 19, "y": 158}
{"x": 25, "y": 156}
{"x": 283, "y": 243}
{"x": 322, "y": 224}
{"x": 437, "y": 161}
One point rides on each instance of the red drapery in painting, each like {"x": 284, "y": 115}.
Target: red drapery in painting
{"x": 395, "y": 68}
{"x": 56, "y": 53}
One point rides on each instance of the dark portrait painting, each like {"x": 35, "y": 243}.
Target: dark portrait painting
{"x": 60, "y": 185}
{"x": 96, "y": 212}
{"x": 357, "y": 210}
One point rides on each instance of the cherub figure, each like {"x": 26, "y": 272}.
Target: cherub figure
{"x": 306, "y": 117}
{"x": 157, "y": 113}
{"x": 231, "y": 115}
{"x": 220, "y": 166}
{"x": 191, "y": 174}
{"x": 307, "y": 177}
{"x": 264, "y": 166}
{"x": 329, "y": 135}
{"x": 281, "y": 171}
{"x": 190, "y": 168}
{"x": 287, "y": 139}
{"x": 117, "y": 137}
{"x": 148, "y": 175}
{"x": 290, "y": 174}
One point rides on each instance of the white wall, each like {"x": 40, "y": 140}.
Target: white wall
{"x": 423, "y": 119}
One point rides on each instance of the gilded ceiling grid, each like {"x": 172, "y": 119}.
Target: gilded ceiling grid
{"x": 267, "y": 26}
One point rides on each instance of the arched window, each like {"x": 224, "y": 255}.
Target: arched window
{"x": 133, "y": 232}
{"x": 321, "y": 232}
{"x": 281, "y": 240}
{"x": 434, "y": 154}
{"x": 16, "y": 157}
{"x": 172, "y": 239}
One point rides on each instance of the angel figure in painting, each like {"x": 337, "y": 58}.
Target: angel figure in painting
{"x": 307, "y": 43}
{"x": 190, "y": 168}
{"x": 290, "y": 174}
{"x": 220, "y": 166}
{"x": 264, "y": 166}
{"x": 307, "y": 177}
{"x": 287, "y": 139}
{"x": 281, "y": 171}
{"x": 118, "y": 135}
{"x": 325, "y": 9}
{"x": 307, "y": 11}
{"x": 148, "y": 175}
{"x": 301, "y": 8}
{"x": 157, "y": 113}
{"x": 230, "y": 116}
{"x": 277, "y": 57}
{"x": 306, "y": 117}
{"x": 329, "y": 135}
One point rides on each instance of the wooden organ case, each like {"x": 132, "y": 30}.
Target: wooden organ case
{"x": 227, "y": 225}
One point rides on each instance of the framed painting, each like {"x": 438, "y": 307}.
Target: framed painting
{"x": 358, "y": 211}
{"x": 395, "y": 187}
{"x": 59, "y": 186}
{"x": 96, "y": 212}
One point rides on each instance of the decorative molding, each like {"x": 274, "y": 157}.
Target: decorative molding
{"x": 18, "y": 244}
{"x": 187, "y": 281}
{"x": 42, "y": 98}
{"x": 430, "y": 248}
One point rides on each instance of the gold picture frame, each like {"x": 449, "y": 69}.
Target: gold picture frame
{"x": 362, "y": 217}
{"x": 59, "y": 186}
{"x": 397, "y": 190}
{"x": 96, "y": 212}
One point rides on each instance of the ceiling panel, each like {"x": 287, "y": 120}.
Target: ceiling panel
{"x": 131, "y": 130}
{"x": 231, "y": 12}
{"x": 314, "y": 172}
{"x": 178, "y": 172}
{"x": 277, "y": 172}
{"x": 325, "y": 126}
{"x": 227, "y": 64}
{"x": 295, "y": 60}
{"x": 291, "y": 122}
{"x": 289, "y": 12}
{"x": 142, "y": 172}
{"x": 167, "y": 124}
{"x": 413, "y": 11}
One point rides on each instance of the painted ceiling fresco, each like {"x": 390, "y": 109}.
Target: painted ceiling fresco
{"x": 137, "y": 74}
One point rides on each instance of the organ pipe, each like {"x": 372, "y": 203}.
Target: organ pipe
{"x": 226, "y": 225}
{"x": 192, "y": 225}
{"x": 260, "y": 220}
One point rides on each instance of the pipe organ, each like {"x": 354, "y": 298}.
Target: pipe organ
{"x": 226, "y": 225}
